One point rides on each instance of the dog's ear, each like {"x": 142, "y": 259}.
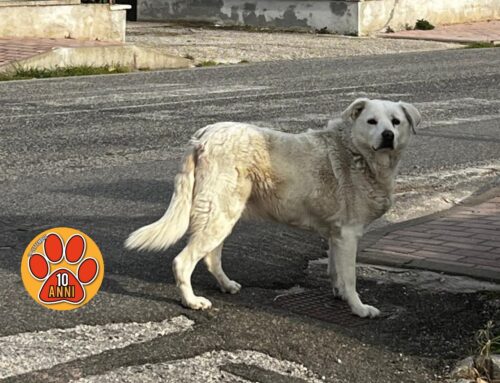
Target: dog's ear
{"x": 354, "y": 110}
{"x": 412, "y": 115}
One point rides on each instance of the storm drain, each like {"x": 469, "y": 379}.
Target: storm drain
{"x": 322, "y": 305}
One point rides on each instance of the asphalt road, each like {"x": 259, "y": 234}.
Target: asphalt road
{"x": 99, "y": 154}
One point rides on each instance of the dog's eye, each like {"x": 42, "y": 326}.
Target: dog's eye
{"x": 372, "y": 121}
{"x": 395, "y": 121}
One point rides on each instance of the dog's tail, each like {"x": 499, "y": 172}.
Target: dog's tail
{"x": 175, "y": 222}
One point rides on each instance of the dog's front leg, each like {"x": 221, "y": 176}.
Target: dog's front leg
{"x": 331, "y": 269}
{"x": 345, "y": 248}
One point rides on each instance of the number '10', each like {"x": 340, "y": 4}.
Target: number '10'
{"x": 62, "y": 279}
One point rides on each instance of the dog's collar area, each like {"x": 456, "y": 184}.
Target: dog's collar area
{"x": 358, "y": 159}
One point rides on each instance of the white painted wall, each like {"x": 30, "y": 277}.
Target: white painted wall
{"x": 376, "y": 15}
{"x": 78, "y": 21}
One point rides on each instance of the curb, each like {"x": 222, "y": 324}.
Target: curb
{"x": 132, "y": 56}
{"x": 438, "y": 39}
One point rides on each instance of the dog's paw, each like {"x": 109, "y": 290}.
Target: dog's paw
{"x": 339, "y": 292}
{"x": 366, "y": 311}
{"x": 232, "y": 287}
{"x": 198, "y": 303}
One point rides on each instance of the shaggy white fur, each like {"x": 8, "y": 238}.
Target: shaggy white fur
{"x": 334, "y": 181}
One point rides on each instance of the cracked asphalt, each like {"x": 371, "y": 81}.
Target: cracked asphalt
{"x": 100, "y": 153}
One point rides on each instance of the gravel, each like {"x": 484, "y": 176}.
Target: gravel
{"x": 233, "y": 46}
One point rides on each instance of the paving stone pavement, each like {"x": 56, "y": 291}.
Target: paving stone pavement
{"x": 15, "y": 49}
{"x": 463, "y": 240}
{"x": 485, "y": 31}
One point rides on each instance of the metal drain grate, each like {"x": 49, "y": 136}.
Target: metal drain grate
{"x": 322, "y": 305}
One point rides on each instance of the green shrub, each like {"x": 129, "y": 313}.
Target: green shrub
{"x": 423, "y": 25}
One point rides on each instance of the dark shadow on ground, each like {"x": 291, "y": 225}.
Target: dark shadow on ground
{"x": 263, "y": 258}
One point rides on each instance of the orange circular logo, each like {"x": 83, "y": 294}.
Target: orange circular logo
{"x": 62, "y": 268}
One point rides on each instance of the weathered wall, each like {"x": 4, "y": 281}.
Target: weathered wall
{"x": 83, "y": 21}
{"x": 375, "y": 15}
{"x": 346, "y": 17}
{"x": 336, "y": 16}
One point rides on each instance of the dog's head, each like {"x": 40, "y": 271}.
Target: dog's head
{"x": 381, "y": 125}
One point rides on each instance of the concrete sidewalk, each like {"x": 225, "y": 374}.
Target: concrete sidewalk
{"x": 486, "y": 31}
{"x": 464, "y": 240}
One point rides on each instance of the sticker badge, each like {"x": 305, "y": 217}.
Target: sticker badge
{"x": 62, "y": 268}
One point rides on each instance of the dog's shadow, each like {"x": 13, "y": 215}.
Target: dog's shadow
{"x": 262, "y": 257}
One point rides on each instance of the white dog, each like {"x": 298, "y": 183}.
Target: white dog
{"x": 334, "y": 181}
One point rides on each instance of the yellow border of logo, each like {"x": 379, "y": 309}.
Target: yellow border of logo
{"x": 92, "y": 257}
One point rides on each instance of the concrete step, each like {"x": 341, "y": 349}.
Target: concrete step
{"x": 51, "y": 54}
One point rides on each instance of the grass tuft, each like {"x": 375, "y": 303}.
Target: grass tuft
{"x": 31, "y": 73}
{"x": 488, "y": 340}
{"x": 488, "y": 343}
{"x": 207, "y": 63}
{"x": 483, "y": 44}
{"x": 323, "y": 31}
{"x": 423, "y": 25}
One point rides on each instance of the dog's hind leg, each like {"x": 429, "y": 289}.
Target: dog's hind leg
{"x": 216, "y": 210}
{"x": 200, "y": 244}
{"x": 183, "y": 266}
{"x": 214, "y": 265}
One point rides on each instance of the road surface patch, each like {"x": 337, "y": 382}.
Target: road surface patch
{"x": 27, "y": 352}
{"x": 208, "y": 367}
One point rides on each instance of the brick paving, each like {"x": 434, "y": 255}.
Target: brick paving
{"x": 15, "y": 49}
{"x": 464, "y": 240}
{"x": 485, "y": 31}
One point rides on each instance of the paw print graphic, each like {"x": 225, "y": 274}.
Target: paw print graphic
{"x": 63, "y": 268}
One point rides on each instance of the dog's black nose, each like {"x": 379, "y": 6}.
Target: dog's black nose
{"x": 387, "y": 135}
